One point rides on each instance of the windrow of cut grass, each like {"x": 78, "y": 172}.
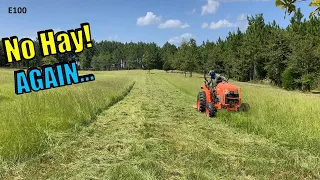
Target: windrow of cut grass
{"x": 290, "y": 118}
{"x": 30, "y": 121}
{"x": 154, "y": 133}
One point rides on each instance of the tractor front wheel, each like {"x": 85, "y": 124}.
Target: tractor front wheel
{"x": 201, "y": 101}
{"x": 211, "y": 110}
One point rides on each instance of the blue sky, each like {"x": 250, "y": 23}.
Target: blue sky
{"x": 139, "y": 20}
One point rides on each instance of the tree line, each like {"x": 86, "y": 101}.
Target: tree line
{"x": 289, "y": 57}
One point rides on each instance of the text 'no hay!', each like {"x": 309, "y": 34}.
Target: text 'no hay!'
{"x": 50, "y": 43}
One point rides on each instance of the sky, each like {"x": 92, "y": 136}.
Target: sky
{"x": 156, "y": 21}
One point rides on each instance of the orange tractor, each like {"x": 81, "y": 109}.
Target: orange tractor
{"x": 223, "y": 96}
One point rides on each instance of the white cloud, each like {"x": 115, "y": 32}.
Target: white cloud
{"x": 173, "y": 23}
{"x": 191, "y": 12}
{"x": 149, "y": 19}
{"x": 229, "y": 1}
{"x": 185, "y": 25}
{"x": 221, "y": 24}
{"x": 205, "y": 25}
{"x": 181, "y": 38}
{"x": 242, "y": 17}
{"x": 210, "y": 8}
{"x": 241, "y": 23}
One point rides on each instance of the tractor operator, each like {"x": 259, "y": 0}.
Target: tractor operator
{"x": 215, "y": 79}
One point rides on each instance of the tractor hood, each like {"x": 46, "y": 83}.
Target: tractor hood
{"x": 226, "y": 86}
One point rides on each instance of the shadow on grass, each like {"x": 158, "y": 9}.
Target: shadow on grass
{"x": 4, "y": 98}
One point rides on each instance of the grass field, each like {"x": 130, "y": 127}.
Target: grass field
{"x": 29, "y": 121}
{"x": 154, "y": 133}
{"x": 291, "y": 118}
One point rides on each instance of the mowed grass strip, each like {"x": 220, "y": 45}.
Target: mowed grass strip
{"x": 154, "y": 133}
{"x": 290, "y": 118}
{"x": 30, "y": 121}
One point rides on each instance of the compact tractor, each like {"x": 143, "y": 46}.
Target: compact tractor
{"x": 223, "y": 96}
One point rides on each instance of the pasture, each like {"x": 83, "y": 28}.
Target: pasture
{"x": 135, "y": 125}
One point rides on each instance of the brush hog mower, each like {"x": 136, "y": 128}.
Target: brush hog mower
{"x": 223, "y": 96}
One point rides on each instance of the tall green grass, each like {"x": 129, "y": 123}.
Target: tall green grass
{"x": 290, "y": 118}
{"x": 29, "y": 121}
{"x": 154, "y": 133}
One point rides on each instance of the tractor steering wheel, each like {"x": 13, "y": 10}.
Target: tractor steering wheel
{"x": 205, "y": 78}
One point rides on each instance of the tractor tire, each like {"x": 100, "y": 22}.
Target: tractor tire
{"x": 201, "y": 101}
{"x": 211, "y": 110}
{"x": 244, "y": 107}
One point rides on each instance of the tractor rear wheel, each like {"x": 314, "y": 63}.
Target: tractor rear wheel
{"x": 244, "y": 107}
{"x": 211, "y": 110}
{"x": 201, "y": 101}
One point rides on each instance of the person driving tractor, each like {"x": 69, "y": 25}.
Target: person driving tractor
{"x": 215, "y": 79}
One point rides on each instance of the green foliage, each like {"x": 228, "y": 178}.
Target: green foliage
{"x": 288, "y": 79}
{"x": 49, "y": 60}
{"x": 83, "y": 60}
{"x": 2, "y": 57}
{"x": 307, "y": 81}
{"x": 101, "y": 62}
{"x": 167, "y": 55}
{"x": 147, "y": 60}
{"x": 87, "y": 55}
{"x": 289, "y": 6}
{"x": 278, "y": 56}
